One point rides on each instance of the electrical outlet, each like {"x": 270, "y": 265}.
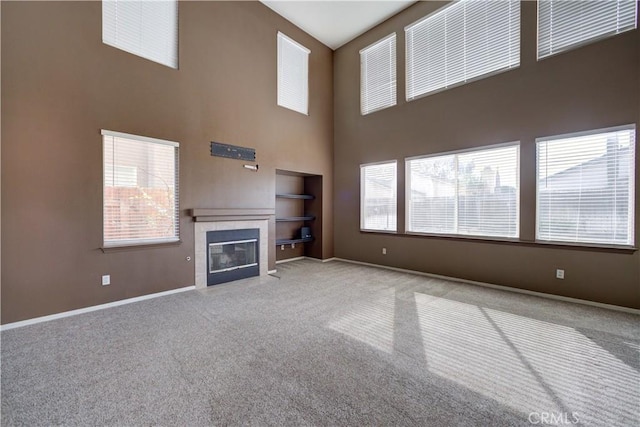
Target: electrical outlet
{"x": 106, "y": 280}
{"x": 384, "y": 251}
{"x": 559, "y": 274}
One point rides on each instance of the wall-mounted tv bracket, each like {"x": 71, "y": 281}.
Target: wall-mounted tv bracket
{"x": 219, "y": 149}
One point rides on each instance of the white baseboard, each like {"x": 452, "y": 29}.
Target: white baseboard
{"x": 305, "y": 257}
{"x": 298, "y": 258}
{"x": 320, "y": 260}
{"x": 35, "y": 320}
{"x": 272, "y": 271}
{"x": 499, "y": 287}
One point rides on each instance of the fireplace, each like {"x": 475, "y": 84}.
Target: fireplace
{"x": 208, "y": 220}
{"x": 232, "y": 255}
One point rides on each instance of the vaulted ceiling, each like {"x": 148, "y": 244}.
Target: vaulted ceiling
{"x": 335, "y": 23}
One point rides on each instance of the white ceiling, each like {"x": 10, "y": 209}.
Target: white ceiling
{"x": 336, "y": 22}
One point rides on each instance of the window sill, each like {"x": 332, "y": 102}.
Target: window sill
{"x": 591, "y": 247}
{"x": 491, "y": 239}
{"x": 364, "y": 230}
{"x": 139, "y": 246}
{"x": 587, "y": 246}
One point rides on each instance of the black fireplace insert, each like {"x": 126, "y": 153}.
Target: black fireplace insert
{"x": 232, "y": 255}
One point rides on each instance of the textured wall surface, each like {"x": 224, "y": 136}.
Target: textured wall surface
{"x": 592, "y": 87}
{"x": 61, "y": 85}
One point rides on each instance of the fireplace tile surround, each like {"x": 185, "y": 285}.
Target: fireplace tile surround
{"x": 228, "y": 219}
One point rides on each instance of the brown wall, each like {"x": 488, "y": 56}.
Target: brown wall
{"x": 592, "y": 87}
{"x": 61, "y": 85}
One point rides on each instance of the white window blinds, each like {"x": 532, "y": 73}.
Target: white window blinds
{"x": 378, "y": 75}
{"x": 470, "y": 193}
{"x": 140, "y": 191}
{"x": 461, "y": 42}
{"x": 565, "y": 24}
{"x": 147, "y": 28}
{"x": 293, "y": 75}
{"x": 378, "y": 196}
{"x": 586, "y": 187}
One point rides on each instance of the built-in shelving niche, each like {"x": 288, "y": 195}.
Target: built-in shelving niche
{"x": 298, "y": 204}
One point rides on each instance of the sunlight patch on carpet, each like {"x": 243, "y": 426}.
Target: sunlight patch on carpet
{"x": 527, "y": 364}
{"x": 370, "y": 322}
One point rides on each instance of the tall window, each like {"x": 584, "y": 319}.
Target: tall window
{"x": 463, "y": 41}
{"x": 140, "y": 191}
{"x": 378, "y": 190}
{"x": 586, "y": 187}
{"x": 566, "y": 24}
{"x": 468, "y": 193}
{"x": 378, "y": 75}
{"x": 293, "y": 75}
{"x": 147, "y": 28}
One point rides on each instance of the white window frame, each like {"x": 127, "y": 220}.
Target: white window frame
{"x": 299, "y": 101}
{"x": 632, "y": 190}
{"x": 472, "y": 69}
{"x": 378, "y": 69}
{"x": 362, "y": 196}
{"x": 134, "y": 35}
{"x": 456, "y": 153}
{"x": 578, "y": 23}
{"x": 114, "y": 243}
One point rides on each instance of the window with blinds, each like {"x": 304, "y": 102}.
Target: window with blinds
{"x": 378, "y": 75}
{"x": 566, "y": 24}
{"x": 468, "y": 193}
{"x": 463, "y": 41}
{"x": 585, "y": 186}
{"x": 293, "y": 75}
{"x": 145, "y": 28}
{"x": 378, "y": 190}
{"x": 140, "y": 190}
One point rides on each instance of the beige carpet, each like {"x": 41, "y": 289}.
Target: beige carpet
{"x": 328, "y": 344}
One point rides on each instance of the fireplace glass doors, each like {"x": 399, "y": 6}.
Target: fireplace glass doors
{"x": 227, "y": 256}
{"x": 232, "y": 255}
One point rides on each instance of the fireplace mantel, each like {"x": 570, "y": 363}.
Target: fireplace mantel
{"x": 247, "y": 214}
